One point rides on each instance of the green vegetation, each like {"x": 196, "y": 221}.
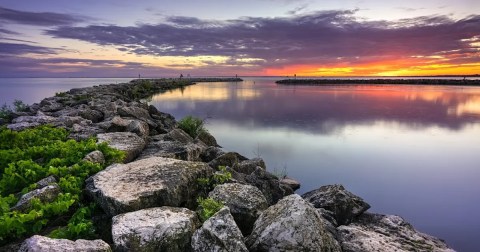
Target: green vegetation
{"x": 220, "y": 177}
{"x": 6, "y": 112}
{"x": 208, "y": 207}
{"x": 61, "y": 94}
{"x": 33, "y": 154}
{"x": 192, "y": 125}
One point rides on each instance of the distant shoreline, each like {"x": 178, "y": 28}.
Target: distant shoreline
{"x": 326, "y": 82}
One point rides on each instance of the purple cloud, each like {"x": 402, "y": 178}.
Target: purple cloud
{"x": 38, "y": 18}
{"x": 319, "y": 37}
{"x": 18, "y": 49}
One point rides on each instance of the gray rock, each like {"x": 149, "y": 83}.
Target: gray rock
{"x": 345, "y": 205}
{"x": 95, "y": 157}
{"x": 45, "y": 195}
{"x": 173, "y": 149}
{"x": 149, "y": 182}
{"x": 46, "y": 181}
{"x": 219, "y": 233}
{"x": 292, "y": 183}
{"x": 92, "y": 115}
{"x": 25, "y": 122}
{"x": 178, "y": 135}
{"x": 211, "y": 153}
{"x": 138, "y": 127}
{"x": 207, "y": 138}
{"x": 268, "y": 184}
{"x": 249, "y": 166}
{"x": 124, "y": 141}
{"x": 291, "y": 225}
{"x": 82, "y": 132}
{"x": 50, "y": 105}
{"x": 39, "y": 243}
{"x": 377, "y": 232}
{"x": 154, "y": 229}
{"x": 245, "y": 202}
{"x": 227, "y": 159}
{"x": 135, "y": 112}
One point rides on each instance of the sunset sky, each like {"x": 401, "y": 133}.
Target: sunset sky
{"x": 112, "y": 38}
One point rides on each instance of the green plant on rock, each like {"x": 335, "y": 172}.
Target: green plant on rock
{"x": 20, "y": 106}
{"x": 193, "y": 126}
{"x": 207, "y": 207}
{"x": 220, "y": 177}
{"x": 30, "y": 155}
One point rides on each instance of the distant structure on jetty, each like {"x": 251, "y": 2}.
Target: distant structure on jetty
{"x": 446, "y": 82}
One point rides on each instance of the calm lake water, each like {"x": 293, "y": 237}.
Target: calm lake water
{"x": 413, "y": 151}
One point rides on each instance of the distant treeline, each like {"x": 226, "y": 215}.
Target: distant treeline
{"x": 452, "y": 82}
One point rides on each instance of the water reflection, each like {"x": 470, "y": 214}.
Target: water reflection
{"x": 322, "y": 110}
{"x": 408, "y": 150}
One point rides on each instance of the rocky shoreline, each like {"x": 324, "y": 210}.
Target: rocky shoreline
{"x": 149, "y": 201}
{"x": 415, "y": 81}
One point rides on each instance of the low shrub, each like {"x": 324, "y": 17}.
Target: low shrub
{"x": 193, "y": 126}
{"x": 208, "y": 207}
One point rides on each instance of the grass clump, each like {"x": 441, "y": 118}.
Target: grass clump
{"x": 220, "y": 177}
{"x": 30, "y": 155}
{"x": 193, "y": 126}
{"x": 208, "y": 207}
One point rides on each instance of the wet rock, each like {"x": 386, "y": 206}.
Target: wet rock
{"x": 46, "y": 181}
{"x": 39, "y": 243}
{"x": 249, "y": 166}
{"x": 227, "y": 159}
{"x": 154, "y": 229}
{"x": 245, "y": 202}
{"x": 149, "y": 182}
{"x": 378, "y": 232}
{"x": 268, "y": 184}
{"x": 219, "y": 233}
{"x": 207, "y": 138}
{"x": 292, "y": 183}
{"x": 211, "y": 153}
{"x": 128, "y": 142}
{"x": 45, "y": 195}
{"x": 345, "y": 205}
{"x": 291, "y": 225}
{"x": 95, "y": 157}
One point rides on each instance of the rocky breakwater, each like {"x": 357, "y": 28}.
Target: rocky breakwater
{"x": 150, "y": 201}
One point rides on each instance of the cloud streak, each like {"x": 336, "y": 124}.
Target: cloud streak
{"x": 320, "y": 37}
{"x": 38, "y": 18}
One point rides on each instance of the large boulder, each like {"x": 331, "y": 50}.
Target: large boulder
{"x": 25, "y": 122}
{"x": 45, "y": 194}
{"x": 155, "y": 229}
{"x": 246, "y": 203}
{"x": 269, "y": 184}
{"x": 91, "y": 114}
{"x": 290, "y": 182}
{"x": 178, "y": 135}
{"x": 39, "y": 243}
{"x": 128, "y": 142}
{"x": 291, "y": 225}
{"x": 345, "y": 205}
{"x": 149, "y": 182}
{"x": 378, "y": 232}
{"x": 219, "y": 233}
